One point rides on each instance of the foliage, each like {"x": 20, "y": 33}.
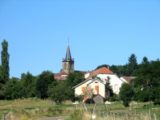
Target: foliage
{"x": 43, "y": 81}
{"x": 58, "y": 92}
{"x": 75, "y": 78}
{"x": 132, "y": 65}
{"x": 120, "y": 70}
{"x": 14, "y": 89}
{"x": 5, "y": 62}
{"x": 2, "y": 94}
{"x": 108, "y": 89}
{"x": 147, "y": 84}
{"x": 29, "y": 81}
{"x": 63, "y": 90}
{"x": 126, "y": 94}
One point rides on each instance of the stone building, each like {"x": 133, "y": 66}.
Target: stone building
{"x": 67, "y": 66}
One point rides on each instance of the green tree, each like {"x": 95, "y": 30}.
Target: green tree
{"x": 1, "y": 80}
{"x": 145, "y": 60}
{"x": 5, "y": 62}
{"x": 63, "y": 90}
{"x": 126, "y": 94}
{"x": 147, "y": 83}
{"x": 43, "y": 81}
{"x": 2, "y": 94}
{"x": 120, "y": 70}
{"x": 29, "y": 81}
{"x": 75, "y": 78}
{"x": 132, "y": 65}
{"x": 72, "y": 80}
{"x": 58, "y": 91}
{"x": 14, "y": 89}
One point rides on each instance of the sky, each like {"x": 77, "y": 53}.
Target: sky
{"x": 99, "y": 32}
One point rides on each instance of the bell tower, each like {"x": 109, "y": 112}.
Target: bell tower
{"x": 68, "y": 62}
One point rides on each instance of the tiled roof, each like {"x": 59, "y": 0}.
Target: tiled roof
{"x": 61, "y": 76}
{"x": 102, "y": 70}
{"x": 92, "y": 80}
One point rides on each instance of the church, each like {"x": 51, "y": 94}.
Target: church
{"x": 95, "y": 79}
{"x": 67, "y": 66}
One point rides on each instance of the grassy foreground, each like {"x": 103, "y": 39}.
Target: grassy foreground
{"x": 34, "y": 109}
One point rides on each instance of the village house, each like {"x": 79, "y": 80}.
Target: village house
{"x": 96, "y": 81}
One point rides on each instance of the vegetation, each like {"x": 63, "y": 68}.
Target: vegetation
{"x": 4, "y": 68}
{"x": 63, "y": 90}
{"x": 5, "y": 62}
{"x": 145, "y": 88}
{"x": 33, "y": 109}
{"x": 43, "y": 81}
{"x": 126, "y": 94}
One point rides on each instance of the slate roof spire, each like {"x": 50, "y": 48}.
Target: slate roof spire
{"x": 68, "y": 54}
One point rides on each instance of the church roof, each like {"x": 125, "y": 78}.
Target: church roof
{"x": 61, "y": 76}
{"x": 68, "y": 55}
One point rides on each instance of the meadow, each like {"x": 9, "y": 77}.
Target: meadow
{"x": 36, "y": 109}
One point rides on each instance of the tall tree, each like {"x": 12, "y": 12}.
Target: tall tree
{"x": 132, "y": 65}
{"x": 5, "y": 62}
{"x": 1, "y": 80}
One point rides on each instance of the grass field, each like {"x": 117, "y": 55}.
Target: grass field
{"x": 34, "y": 109}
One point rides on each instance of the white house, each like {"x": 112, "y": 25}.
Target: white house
{"x": 96, "y": 86}
{"x": 97, "y": 79}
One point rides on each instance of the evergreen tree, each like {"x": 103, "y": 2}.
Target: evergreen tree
{"x": 132, "y": 65}
{"x": 145, "y": 60}
{"x": 1, "y": 80}
{"x": 5, "y": 62}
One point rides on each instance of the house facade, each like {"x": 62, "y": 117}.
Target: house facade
{"x": 96, "y": 80}
{"x": 95, "y": 86}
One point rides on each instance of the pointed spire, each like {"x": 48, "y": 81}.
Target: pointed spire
{"x": 68, "y": 54}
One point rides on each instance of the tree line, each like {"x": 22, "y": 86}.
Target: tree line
{"x": 146, "y": 86}
{"x": 41, "y": 86}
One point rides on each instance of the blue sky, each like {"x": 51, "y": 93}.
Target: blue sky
{"x": 100, "y": 32}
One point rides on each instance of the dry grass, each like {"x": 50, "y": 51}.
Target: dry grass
{"x": 32, "y": 109}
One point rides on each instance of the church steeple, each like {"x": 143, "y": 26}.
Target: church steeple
{"x": 68, "y": 54}
{"x": 68, "y": 62}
